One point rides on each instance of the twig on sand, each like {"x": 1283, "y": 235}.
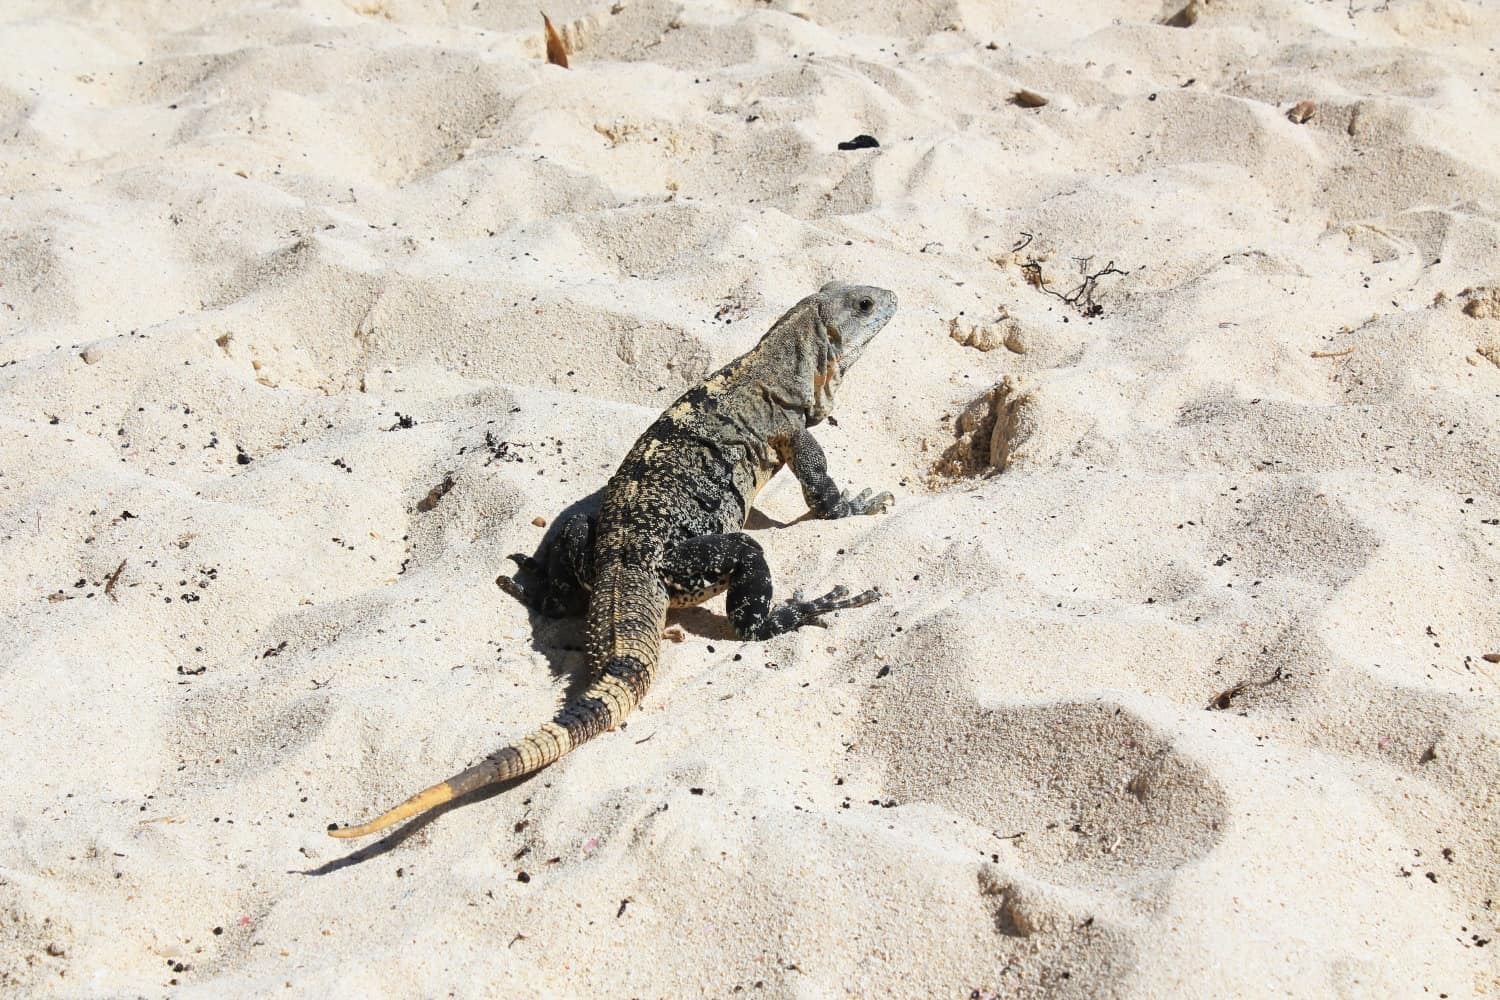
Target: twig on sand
{"x": 1080, "y": 298}
{"x": 1333, "y": 354}
{"x": 1225, "y": 699}
{"x": 112, "y": 579}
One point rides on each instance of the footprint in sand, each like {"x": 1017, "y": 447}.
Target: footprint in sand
{"x": 1093, "y": 795}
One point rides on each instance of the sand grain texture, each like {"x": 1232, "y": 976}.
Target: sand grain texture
{"x": 309, "y": 309}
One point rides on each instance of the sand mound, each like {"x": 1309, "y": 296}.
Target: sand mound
{"x": 1192, "y": 411}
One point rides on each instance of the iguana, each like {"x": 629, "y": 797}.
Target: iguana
{"x": 668, "y": 532}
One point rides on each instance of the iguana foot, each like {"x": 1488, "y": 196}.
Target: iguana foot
{"x": 798, "y": 612}
{"x": 559, "y": 586}
{"x": 516, "y": 589}
{"x": 526, "y": 563}
{"x": 838, "y": 599}
{"x": 863, "y": 503}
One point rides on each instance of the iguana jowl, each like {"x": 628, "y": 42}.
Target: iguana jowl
{"x": 668, "y": 530}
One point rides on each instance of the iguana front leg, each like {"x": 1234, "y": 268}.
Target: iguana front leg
{"x": 810, "y": 466}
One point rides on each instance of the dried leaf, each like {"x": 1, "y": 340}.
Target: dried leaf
{"x": 1302, "y": 111}
{"x": 1024, "y": 98}
{"x": 557, "y": 52}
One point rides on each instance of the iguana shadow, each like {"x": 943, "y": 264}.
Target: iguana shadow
{"x": 399, "y": 835}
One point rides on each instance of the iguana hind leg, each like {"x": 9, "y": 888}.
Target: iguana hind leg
{"x": 701, "y": 567}
{"x": 824, "y": 499}
{"x": 562, "y": 577}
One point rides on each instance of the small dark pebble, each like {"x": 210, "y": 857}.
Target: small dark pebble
{"x": 220, "y": 930}
{"x": 882, "y": 672}
{"x": 243, "y": 459}
{"x": 522, "y": 877}
{"x": 696, "y": 791}
{"x": 861, "y": 141}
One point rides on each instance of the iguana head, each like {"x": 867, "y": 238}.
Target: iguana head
{"x": 851, "y": 317}
{"x": 807, "y": 351}
{"x": 845, "y": 319}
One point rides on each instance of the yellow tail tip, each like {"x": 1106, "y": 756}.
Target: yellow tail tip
{"x": 350, "y": 832}
{"x": 419, "y": 803}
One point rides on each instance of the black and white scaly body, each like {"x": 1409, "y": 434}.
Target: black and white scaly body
{"x": 669, "y": 531}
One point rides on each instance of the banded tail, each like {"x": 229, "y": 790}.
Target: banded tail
{"x": 604, "y": 705}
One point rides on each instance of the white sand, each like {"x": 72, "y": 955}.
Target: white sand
{"x": 275, "y": 227}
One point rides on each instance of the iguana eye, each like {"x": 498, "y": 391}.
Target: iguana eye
{"x": 865, "y": 305}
